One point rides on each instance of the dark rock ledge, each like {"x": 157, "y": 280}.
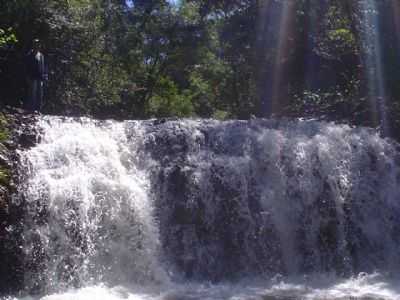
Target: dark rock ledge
{"x": 21, "y": 134}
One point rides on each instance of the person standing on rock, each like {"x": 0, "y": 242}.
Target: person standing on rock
{"x": 36, "y": 74}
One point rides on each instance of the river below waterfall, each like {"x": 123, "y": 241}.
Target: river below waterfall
{"x": 203, "y": 209}
{"x": 362, "y": 287}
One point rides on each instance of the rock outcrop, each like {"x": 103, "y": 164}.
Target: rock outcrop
{"x": 20, "y": 128}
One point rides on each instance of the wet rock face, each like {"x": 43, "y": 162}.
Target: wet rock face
{"x": 22, "y": 134}
{"x": 212, "y": 225}
{"x": 263, "y": 197}
{"x": 211, "y": 222}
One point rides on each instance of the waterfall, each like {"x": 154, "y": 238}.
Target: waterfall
{"x": 88, "y": 211}
{"x": 271, "y": 197}
{"x": 182, "y": 202}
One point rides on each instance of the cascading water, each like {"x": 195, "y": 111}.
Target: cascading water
{"x": 88, "y": 213}
{"x": 187, "y": 209}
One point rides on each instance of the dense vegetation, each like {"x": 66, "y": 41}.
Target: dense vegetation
{"x": 330, "y": 59}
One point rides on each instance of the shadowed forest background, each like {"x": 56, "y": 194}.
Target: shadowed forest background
{"x": 326, "y": 59}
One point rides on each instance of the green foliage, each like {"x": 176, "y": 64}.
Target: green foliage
{"x": 7, "y": 37}
{"x": 189, "y": 12}
{"x": 342, "y": 36}
{"x": 201, "y": 58}
{"x": 220, "y": 115}
{"x": 168, "y": 101}
{"x": 338, "y": 39}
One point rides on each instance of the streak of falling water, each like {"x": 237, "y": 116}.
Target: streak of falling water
{"x": 374, "y": 69}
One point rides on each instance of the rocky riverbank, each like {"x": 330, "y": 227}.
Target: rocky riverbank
{"x": 17, "y": 131}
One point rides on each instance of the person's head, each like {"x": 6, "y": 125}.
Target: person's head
{"x": 36, "y": 44}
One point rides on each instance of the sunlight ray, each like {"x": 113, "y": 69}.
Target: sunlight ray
{"x": 374, "y": 69}
{"x": 279, "y": 36}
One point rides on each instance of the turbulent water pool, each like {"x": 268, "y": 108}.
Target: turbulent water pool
{"x": 203, "y": 209}
{"x": 362, "y": 287}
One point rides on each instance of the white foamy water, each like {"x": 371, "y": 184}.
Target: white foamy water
{"x": 190, "y": 209}
{"x": 362, "y": 287}
{"x": 89, "y": 218}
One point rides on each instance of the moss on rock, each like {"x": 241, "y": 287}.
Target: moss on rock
{"x": 4, "y": 135}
